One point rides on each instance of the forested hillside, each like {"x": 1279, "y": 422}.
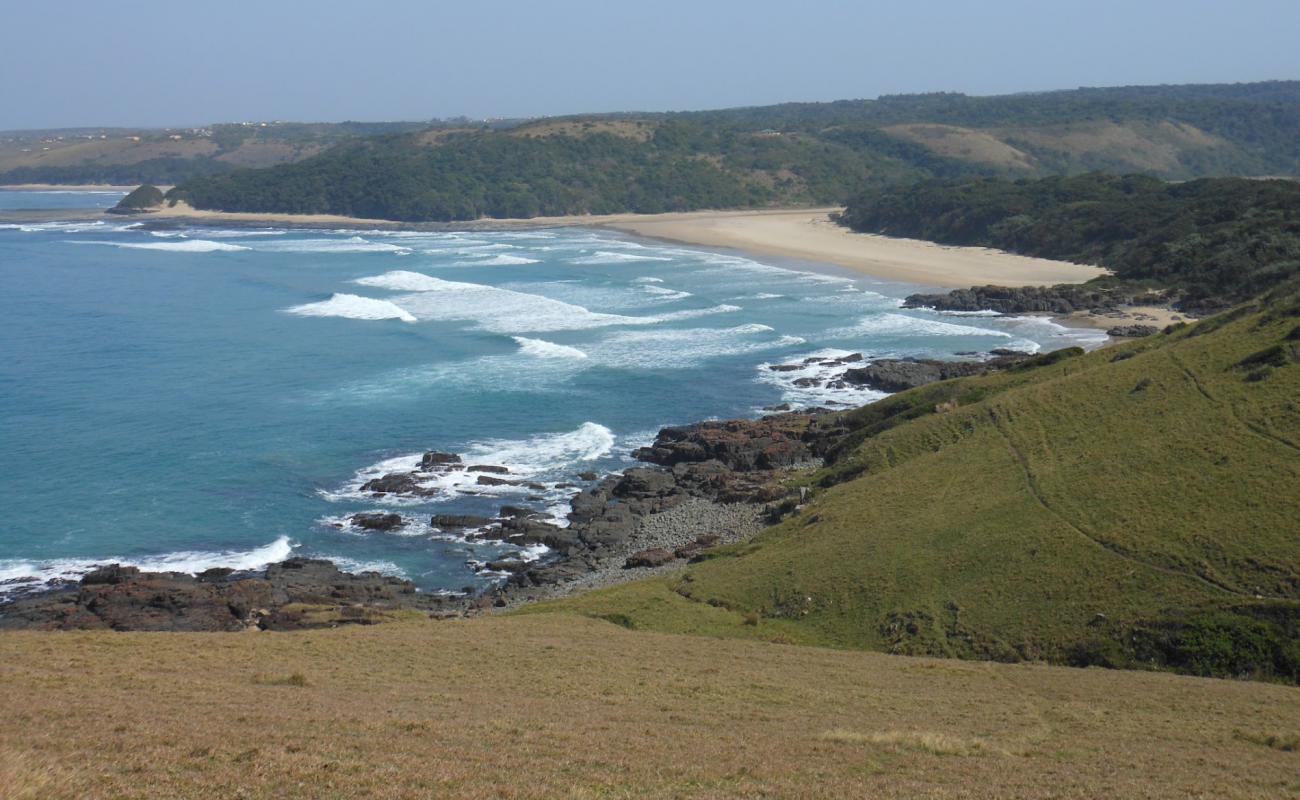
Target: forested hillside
{"x": 791, "y": 154}
{"x": 1213, "y": 242}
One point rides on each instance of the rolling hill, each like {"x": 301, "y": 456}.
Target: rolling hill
{"x": 790, "y": 154}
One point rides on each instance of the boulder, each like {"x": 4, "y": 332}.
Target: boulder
{"x": 458, "y": 521}
{"x": 768, "y": 443}
{"x": 377, "y": 521}
{"x": 435, "y": 460}
{"x": 392, "y": 483}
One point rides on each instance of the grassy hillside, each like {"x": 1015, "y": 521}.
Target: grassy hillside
{"x": 1214, "y": 242}
{"x": 556, "y": 706}
{"x": 1133, "y": 507}
{"x": 797, "y": 153}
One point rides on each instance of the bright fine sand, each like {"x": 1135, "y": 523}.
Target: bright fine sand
{"x": 809, "y": 234}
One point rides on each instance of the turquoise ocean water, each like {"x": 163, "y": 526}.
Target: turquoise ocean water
{"x": 189, "y": 397}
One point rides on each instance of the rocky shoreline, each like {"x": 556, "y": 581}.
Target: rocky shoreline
{"x": 705, "y": 485}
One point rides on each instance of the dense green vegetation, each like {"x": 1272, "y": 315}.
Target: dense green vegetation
{"x": 798, "y": 153}
{"x": 1132, "y": 507}
{"x": 1215, "y": 241}
{"x": 471, "y": 175}
{"x": 146, "y": 196}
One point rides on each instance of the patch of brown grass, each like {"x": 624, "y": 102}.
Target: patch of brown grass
{"x": 628, "y": 129}
{"x": 966, "y": 144}
{"x": 557, "y": 706}
{"x": 939, "y": 744}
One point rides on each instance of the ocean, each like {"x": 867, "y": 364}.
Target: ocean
{"x": 187, "y": 397}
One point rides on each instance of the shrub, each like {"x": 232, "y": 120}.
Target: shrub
{"x": 1275, "y": 356}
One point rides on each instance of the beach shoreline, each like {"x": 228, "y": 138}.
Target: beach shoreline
{"x": 804, "y": 233}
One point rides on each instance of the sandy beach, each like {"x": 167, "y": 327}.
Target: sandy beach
{"x": 806, "y": 234}
{"x": 809, "y": 234}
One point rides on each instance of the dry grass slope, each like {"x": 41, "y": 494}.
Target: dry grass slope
{"x": 560, "y": 706}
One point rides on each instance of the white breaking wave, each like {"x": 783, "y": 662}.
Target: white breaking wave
{"x": 758, "y": 296}
{"x": 183, "y": 246}
{"x": 659, "y": 348}
{"x": 648, "y": 279}
{"x": 499, "y": 310}
{"x": 545, "y": 459}
{"x": 98, "y": 226}
{"x": 890, "y": 324}
{"x": 607, "y": 257}
{"x": 355, "y": 244}
{"x": 1052, "y": 334}
{"x": 809, "y": 396}
{"x": 351, "y": 306}
{"x": 692, "y": 313}
{"x": 502, "y": 260}
{"x": 664, "y": 292}
{"x": 544, "y": 349}
{"x": 192, "y": 562}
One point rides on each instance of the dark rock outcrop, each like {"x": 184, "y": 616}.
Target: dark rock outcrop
{"x": 897, "y": 375}
{"x": 393, "y": 483}
{"x": 297, "y": 593}
{"x": 377, "y": 522}
{"x": 1133, "y": 331}
{"x": 769, "y": 443}
{"x": 1062, "y": 299}
{"x": 435, "y": 460}
{"x": 458, "y": 521}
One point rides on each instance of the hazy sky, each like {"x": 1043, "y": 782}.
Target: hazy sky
{"x": 90, "y": 62}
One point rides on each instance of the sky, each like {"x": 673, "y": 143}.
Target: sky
{"x": 146, "y": 63}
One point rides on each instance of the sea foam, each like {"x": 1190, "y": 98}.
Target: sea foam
{"x": 180, "y": 246}
{"x": 547, "y": 459}
{"x": 544, "y": 349}
{"x": 64, "y": 569}
{"x": 500, "y": 310}
{"x": 351, "y": 306}
{"x": 891, "y": 324}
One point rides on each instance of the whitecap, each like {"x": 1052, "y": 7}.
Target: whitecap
{"x": 188, "y": 561}
{"x": 667, "y": 348}
{"x": 608, "y": 257}
{"x": 351, "y": 306}
{"x": 502, "y": 260}
{"x": 892, "y": 324}
{"x": 544, "y": 349}
{"x": 500, "y": 310}
{"x": 354, "y": 244}
{"x": 692, "y": 313}
{"x": 665, "y": 293}
{"x": 182, "y": 246}
{"x": 758, "y": 296}
{"x": 545, "y": 459}
{"x": 812, "y": 367}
